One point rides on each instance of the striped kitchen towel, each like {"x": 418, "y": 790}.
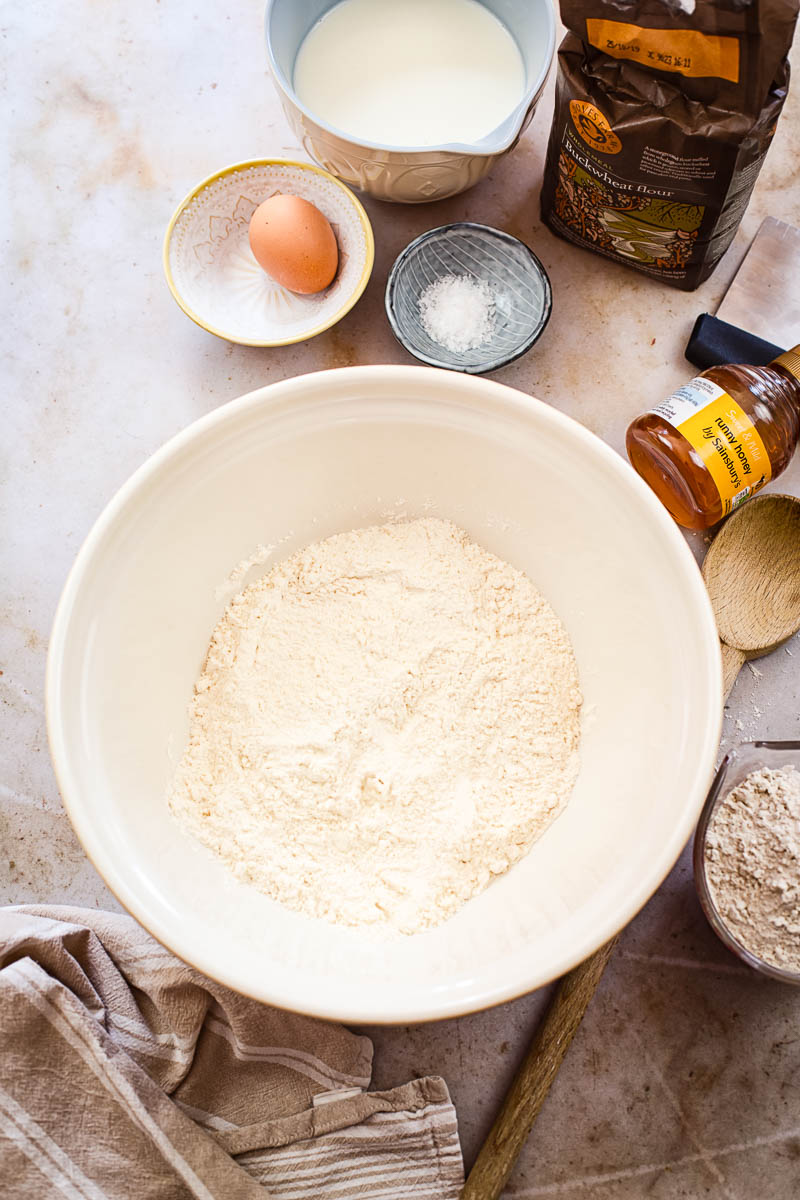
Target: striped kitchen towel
{"x": 126, "y": 1074}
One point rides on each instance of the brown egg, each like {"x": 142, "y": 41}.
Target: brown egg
{"x": 294, "y": 244}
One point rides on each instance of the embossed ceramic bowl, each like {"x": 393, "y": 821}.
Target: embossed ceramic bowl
{"x": 733, "y": 770}
{"x": 518, "y": 282}
{"x": 213, "y": 275}
{"x": 409, "y": 174}
{"x": 290, "y": 464}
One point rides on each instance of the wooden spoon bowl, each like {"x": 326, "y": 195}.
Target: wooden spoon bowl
{"x": 752, "y": 572}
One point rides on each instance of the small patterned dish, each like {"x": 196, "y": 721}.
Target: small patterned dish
{"x": 214, "y": 277}
{"x": 734, "y": 768}
{"x": 518, "y": 282}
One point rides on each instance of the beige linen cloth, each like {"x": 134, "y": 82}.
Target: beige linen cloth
{"x": 126, "y": 1074}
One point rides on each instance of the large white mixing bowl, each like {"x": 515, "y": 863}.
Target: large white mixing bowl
{"x": 290, "y": 464}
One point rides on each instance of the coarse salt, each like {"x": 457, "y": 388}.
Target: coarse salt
{"x": 458, "y": 312}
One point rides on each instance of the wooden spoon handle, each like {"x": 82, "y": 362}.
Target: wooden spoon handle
{"x": 732, "y": 662}
{"x": 527, "y": 1093}
{"x": 532, "y": 1082}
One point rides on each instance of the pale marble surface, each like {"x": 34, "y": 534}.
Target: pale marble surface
{"x": 685, "y": 1078}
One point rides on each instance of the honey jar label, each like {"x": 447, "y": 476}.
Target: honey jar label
{"x": 722, "y": 435}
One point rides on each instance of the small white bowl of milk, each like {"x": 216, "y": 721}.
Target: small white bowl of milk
{"x": 410, "y": 101}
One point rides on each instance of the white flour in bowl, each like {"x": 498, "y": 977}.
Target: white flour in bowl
{"x": 385, "y": 721}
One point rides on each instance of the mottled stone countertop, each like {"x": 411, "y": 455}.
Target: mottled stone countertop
{"x": 684, "y": 1080}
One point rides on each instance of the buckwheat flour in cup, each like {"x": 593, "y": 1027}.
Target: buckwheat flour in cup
{"x": 752, "y": 862}
{"x": 664, "y": 113}
{"x": 385, "y": 722}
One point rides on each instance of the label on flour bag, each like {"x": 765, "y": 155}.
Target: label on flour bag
{"x": 723, "y": 436}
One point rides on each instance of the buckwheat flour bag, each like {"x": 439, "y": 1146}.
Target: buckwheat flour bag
{"x": 664, "y": 112}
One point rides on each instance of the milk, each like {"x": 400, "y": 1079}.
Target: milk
{"x": 410, "y": 72}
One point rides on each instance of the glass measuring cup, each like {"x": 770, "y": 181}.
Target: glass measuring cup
{"x": 734, "y": 768}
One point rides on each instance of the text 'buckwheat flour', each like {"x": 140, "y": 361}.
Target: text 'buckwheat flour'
{"x": 385, "y": 721}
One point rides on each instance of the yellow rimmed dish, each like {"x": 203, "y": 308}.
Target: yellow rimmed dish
{"x": 214, "y": 277}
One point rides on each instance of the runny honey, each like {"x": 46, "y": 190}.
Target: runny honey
{"x": 717, "y": 440}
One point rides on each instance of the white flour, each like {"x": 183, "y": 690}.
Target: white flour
{"x": 752, "y": 856}
{"x": 384, "y": 722}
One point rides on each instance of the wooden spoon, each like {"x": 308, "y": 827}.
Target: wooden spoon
{"x": 752, "y": 572}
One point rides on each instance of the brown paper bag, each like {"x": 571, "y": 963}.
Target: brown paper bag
{"x": 664, "y": 112}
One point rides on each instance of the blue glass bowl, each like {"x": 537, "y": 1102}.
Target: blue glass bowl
{"x": 518, "y": 282}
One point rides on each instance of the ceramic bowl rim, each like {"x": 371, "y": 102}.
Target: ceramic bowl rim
{"x": 493, "y": 364}
{"x": 304, "y": 335}
{"x": 472, "y": 391}
{"x": 519, "y": 113}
